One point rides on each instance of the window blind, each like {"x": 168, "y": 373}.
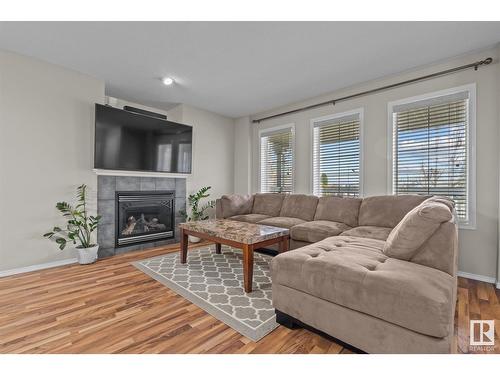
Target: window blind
{"x": 430, "y": 143}
{"x": 336, "y": 156}
{"x": 276, "y": 161}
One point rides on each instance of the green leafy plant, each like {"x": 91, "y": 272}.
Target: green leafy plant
{"x": 198, "y": 210}
{"x": 79, "y": 225}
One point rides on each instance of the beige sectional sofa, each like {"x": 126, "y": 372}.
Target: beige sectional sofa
{"x": 377, "y": 273}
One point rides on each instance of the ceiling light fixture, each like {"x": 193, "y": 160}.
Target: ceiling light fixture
{"x": 167, "y": 81}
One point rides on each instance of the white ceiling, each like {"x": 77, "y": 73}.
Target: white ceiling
{"x": 241, "y": 68}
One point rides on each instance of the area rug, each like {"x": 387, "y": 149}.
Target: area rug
{"x": 214, "y": 282}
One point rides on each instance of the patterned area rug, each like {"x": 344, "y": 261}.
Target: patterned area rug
{"x": 214, "y": 282}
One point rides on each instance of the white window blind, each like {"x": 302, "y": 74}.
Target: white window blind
{"x": 336, "y": 156}
{"x": 430, "y": 149}
{"x": 276, "y": 161}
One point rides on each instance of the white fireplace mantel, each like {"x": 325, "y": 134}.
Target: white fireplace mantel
{"x": 109, "y": 172}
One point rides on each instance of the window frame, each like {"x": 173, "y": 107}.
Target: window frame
{"x": 358, "y": 111}
{"x": 283, "y": 127}
{"x": 471, "y": 144}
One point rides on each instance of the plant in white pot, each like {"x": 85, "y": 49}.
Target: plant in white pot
{"x": 198, "y": 210}
{"x": 79, "y": 228}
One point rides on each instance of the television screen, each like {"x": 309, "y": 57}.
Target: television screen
{"x": 135, "y": 142}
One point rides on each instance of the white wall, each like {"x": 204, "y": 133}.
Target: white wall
{"x": 478, "y": 248}
{"x": 46, "y": 150}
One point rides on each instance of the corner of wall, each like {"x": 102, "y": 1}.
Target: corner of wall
{"x": 242, "y": 155}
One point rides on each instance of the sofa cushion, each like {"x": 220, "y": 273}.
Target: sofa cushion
{"x": 417, "y": 226}
{"x": 440, "y": 250}
{"x": 354, "y": 273}
{"x": 317, "y": 230}
{"x": 300, "y": 206}
{"x": 444, "y": 200}
{"x": 369, "y": 231}
{"x": 236, "y": 204}
{"x": 387, "y": 210}
{"x": 342, "y": 210}
{"x": 249, "y": 218}
{"x": 282, "y": 222}
{"x": 267, "y": 203}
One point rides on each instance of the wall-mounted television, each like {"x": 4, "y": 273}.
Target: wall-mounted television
{"x": 135, "y": 142}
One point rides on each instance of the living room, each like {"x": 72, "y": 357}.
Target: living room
{"x": 209, "y": 187}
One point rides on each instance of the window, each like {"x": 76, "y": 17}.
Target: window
{"x": 432, "y": 147}
{"x": 337, "y": 155}
{"x": 276, "y": 160}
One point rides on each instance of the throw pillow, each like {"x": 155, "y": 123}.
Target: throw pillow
{"x": 415, "y": 228}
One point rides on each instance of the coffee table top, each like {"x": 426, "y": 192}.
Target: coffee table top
{"x": 237, "y": 231}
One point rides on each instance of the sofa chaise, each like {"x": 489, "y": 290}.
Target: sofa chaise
{"x": 378, "y": 273}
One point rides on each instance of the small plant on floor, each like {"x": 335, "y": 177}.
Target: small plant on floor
{"x": 79, "y": 227}
{"x": 198, "y": 210}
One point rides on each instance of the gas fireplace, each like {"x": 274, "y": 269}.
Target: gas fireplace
{"x": 144, "y": 216}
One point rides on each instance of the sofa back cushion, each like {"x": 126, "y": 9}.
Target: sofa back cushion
{"x": 341, "y": 210}
{"x": 387, "y": 210}
{"x": 416, "y": 228}
{"x": 299, "y": 206}
{"x": 267, "y": 204}
{"x": 440, "y": 251}
{"x": 235, "y": 204}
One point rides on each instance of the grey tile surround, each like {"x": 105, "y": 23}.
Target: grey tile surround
{"x": 107, "y": 186}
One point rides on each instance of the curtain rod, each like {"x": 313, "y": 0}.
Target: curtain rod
{"x": 474, "y": 65}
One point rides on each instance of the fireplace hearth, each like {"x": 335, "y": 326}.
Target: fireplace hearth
{"x": 144, "y": 216}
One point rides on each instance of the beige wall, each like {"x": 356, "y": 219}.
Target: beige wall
{"x": 213, "y": 151}
{"x": 498, "y": 108}
{"x": 213, "y": 148}
{"x": 120, "y": 103}
{"x": 46, "y": 150}
{"x": 478, "y": 248}
{"x": 242, "y": 155}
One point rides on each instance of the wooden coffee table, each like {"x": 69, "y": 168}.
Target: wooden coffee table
{"x": 245, "y": 236}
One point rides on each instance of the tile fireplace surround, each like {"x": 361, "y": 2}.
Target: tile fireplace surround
{"x": 107, "y": 186}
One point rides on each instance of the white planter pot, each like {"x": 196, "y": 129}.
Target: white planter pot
{"x": 194, "y": 239}
{"x": 87, "y": 255}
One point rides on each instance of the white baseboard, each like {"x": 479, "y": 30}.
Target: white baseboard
{"x": 37, "y": 267}
{"x": 472, "y": 276}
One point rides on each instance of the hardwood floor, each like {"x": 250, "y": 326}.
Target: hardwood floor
{"x": 112, "y": 307}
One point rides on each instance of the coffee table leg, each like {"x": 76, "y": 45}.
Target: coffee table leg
{"x": 218, "y": 248}
{"x": 184, "y": 246}
{"x": 248, "y": 267}
{"x": 284, "y": 244}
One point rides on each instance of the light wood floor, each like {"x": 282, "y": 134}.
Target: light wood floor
{"x": 112, "y": 307}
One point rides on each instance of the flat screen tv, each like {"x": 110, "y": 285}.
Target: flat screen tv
{"x": 134, "y": 142}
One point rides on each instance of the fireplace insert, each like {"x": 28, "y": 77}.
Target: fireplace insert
{"x": 144, "y": 216}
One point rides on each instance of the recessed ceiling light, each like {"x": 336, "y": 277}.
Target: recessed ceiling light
{"x": 167, "y": 81}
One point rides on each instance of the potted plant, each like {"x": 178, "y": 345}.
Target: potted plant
{"x": 198, "y": 212}
{"x": 79, "y": 228}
